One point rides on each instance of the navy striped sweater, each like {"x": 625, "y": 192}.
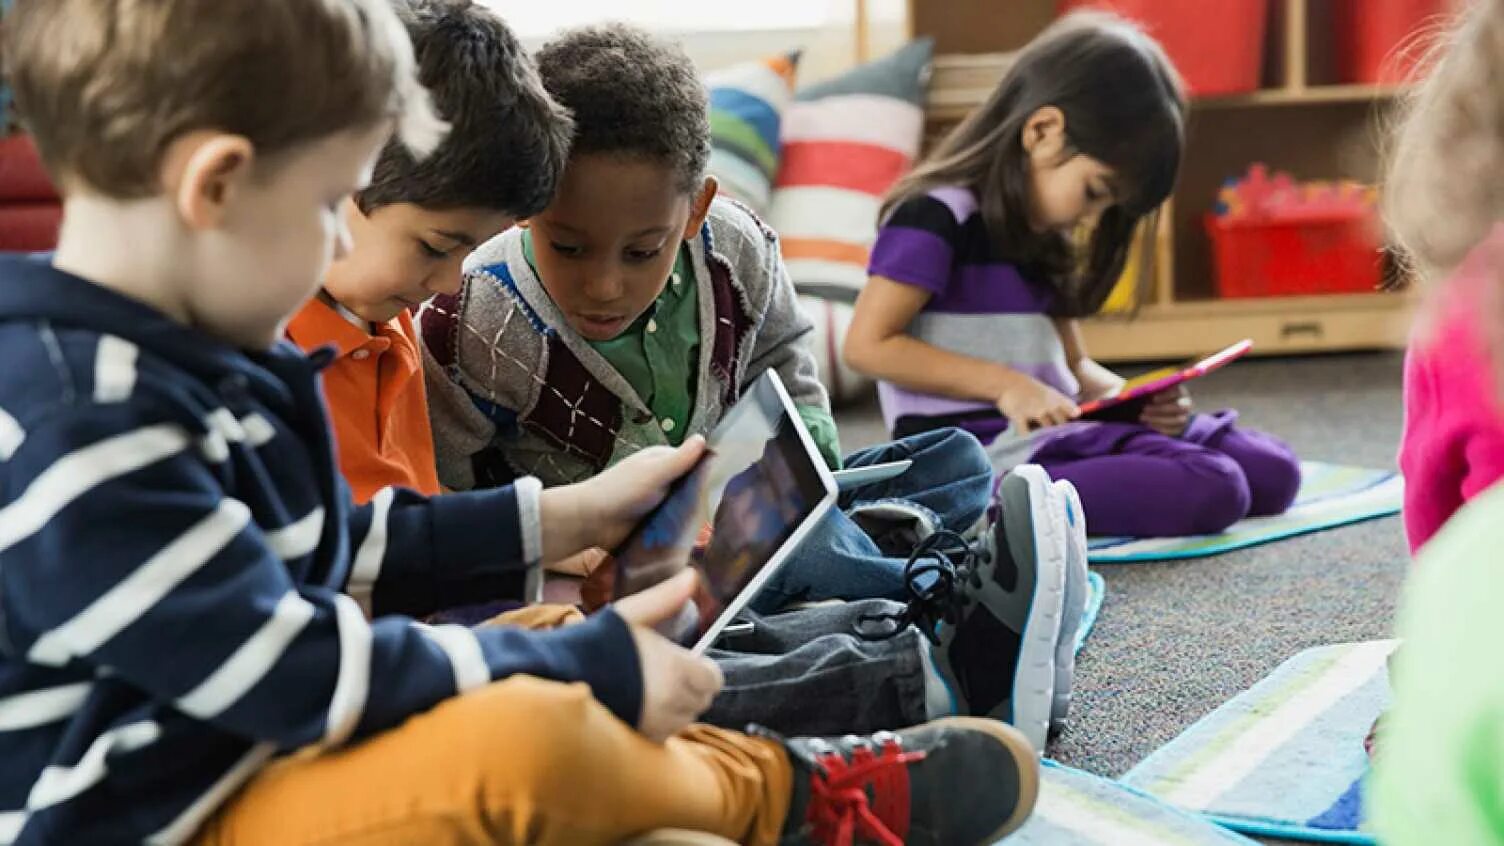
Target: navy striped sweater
{"x": 182, "y": 574}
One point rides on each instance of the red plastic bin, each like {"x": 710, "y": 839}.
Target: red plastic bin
{"x": 1217, "y": 45}
{"x": 1378, "y": 40}
{"x": 1260, "y": 258}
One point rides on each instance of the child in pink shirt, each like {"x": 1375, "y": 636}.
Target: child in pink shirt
{"x": 1453, "y": 446}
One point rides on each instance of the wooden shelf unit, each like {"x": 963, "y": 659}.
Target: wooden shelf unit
{"x": 1302, "y": 121}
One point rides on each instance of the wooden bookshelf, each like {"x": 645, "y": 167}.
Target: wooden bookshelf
{"x": 1301, "y": 121}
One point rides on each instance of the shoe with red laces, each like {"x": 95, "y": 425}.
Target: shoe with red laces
{"x": 955, "y": 781}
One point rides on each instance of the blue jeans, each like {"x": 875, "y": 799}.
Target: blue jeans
{"x": 948, "y": 487}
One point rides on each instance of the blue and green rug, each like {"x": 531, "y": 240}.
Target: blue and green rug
{"x": 1081, "y": 809}
{"x": 1331, "y": 495}
{"x": 1284, "y": 758}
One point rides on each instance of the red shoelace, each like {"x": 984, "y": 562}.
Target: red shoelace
{"x": 839, "y": 809}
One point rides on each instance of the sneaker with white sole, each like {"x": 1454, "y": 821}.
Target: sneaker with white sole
{"x": 1073, "y": 610}
{"x": 991, "y": 605}
{"x": 957, "y": 781}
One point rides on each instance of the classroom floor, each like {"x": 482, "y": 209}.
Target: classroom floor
{"x": 1175, "y": 640}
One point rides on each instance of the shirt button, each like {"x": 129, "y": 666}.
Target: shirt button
{"x": 361, "y": 355}
{"x": 668, "y": 425}
{"x": 652, "y": 326}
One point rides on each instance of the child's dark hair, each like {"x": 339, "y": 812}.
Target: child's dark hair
{"x": 631, "y": 95}
{"x": 1123, "y": 105}
{"x": 508, "y": 140}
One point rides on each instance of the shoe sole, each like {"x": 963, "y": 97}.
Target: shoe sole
{"x": 1033, "y": 696}
{"x": 1071, "y": 614}
{"x": 1023, "y": 754}
{"x": 678, "y": 837}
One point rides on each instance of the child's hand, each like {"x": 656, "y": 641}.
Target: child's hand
{"x": 1030, "y": 404}
{"x": 1168, "y": 412}
{"x": 677, "y": 685}
{"x": 1096, "y": 380}
{"x": 600, "y": 512}
{"x": 580, "y": 564}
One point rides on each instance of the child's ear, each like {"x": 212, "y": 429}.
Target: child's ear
{"x": 203, "y": 172}
{"x": 700, "y": 207}
{"x": 1044, "y": 134}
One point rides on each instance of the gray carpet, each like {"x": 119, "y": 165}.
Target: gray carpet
{"x": 1175, "y": 640}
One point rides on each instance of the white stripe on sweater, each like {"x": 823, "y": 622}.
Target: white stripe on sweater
{"x": 299, "y": 538}
{"x": 135, "y": 595}
{"x": 252, "y": 661}
{"x": 372, "y": 552}
{"x": 188, "y": 822}
{"x": 59, "y": 784}
{"x": 42, "y": 707}
{"x": 80, "y": 471}
{"x": 258, "y": 430}
{"x": 252, "y": 430}
{"x": 464, "y": 652}
{"x": 114, "y": 369}
{"x": 11, "y": 435}
{"x": 353, "y": 685}
{"x": 11, "y": 823}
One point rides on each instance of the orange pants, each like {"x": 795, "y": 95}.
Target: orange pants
{"x": 519, "y": 761}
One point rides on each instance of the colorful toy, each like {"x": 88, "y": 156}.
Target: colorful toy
{"x": 1262, "y": 196}
{"x": 1272, "y": 235}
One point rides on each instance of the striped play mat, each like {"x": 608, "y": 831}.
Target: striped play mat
{"x": 1284, "y": 758}
{"x": 1081, "y": 809}
{"x": 1331, "y": 495}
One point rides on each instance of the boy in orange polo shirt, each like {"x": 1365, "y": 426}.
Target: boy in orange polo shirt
{"x": 412, "y": 228}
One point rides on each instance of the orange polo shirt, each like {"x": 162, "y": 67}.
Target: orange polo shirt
{"x": 376, "y": 398}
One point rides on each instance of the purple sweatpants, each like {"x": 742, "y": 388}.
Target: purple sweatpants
{"x": 1134, "y": 481}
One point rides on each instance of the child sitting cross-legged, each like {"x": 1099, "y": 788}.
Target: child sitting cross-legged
{"x": 187, "y": 654}
{"x": 636, "y": 308}
{"x": 970, "y": 315}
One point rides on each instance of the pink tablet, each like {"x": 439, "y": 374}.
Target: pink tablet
{"x": 1142, "y": 387}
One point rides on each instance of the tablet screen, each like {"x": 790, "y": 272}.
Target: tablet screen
{"x": 732, "y": 513}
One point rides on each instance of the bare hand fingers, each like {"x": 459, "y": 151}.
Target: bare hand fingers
{"x": 660, "y": 602}
{"x": 709, "y": 680}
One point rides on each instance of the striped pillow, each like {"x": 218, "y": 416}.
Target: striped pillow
{"x": 746, "y": 112}
{"x": 845, "y": 142}
{"x": 831, "y": 319}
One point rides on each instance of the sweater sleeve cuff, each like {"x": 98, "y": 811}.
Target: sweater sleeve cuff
{"x": 529, "y": 516}
{"x": 599, "y": 651}
{"x": 614, "y": 672}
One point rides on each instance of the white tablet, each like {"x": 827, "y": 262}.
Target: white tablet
{"x": 855, "y": 477}
{"x": 738, "y": 515}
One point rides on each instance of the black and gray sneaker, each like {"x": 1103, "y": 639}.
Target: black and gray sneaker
{"x": 955, "y": 781}
{"x": 992, "y": 606}
{"x": 998, "y": 655}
